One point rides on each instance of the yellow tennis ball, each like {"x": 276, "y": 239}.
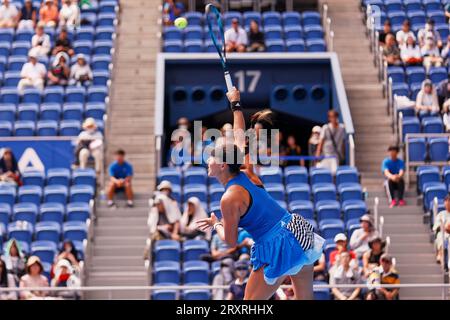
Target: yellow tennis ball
{"x": 181, "y": 23}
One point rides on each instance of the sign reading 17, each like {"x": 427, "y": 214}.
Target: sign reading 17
{"x": 241, "y": 76}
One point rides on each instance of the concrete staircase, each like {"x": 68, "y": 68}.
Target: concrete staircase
{"x": 409, "y": 236}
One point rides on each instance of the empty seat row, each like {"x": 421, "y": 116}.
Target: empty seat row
{"x": 428, "y": 150}
{"x": 412, "y": 124}
{"x": 67, "y": 128}
{"x": 415, "y": 74}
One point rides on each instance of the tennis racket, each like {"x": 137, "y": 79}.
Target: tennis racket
{"x": 211, "y": 13}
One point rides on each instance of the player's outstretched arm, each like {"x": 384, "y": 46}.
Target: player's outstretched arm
{"x": 234, "y": 97}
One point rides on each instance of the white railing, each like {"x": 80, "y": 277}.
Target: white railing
{"x": 326, "y": 22}
{"x": 376, "y": 203}
{"x": 381, "y": 226}
{"x": 351, "y": 145}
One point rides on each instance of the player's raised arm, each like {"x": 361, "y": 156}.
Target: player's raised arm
{"x": 234, "y": 97}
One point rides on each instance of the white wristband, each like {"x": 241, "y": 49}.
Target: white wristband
{"x": 217, "y": 224}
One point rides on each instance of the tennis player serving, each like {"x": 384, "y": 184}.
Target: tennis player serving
{"x": 285, "y": 243}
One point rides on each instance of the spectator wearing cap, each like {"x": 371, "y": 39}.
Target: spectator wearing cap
{"x": 69, "y": 15}
{"x": 359, "y": 241}
{"x": 237, "y": 287}
{"x": 33, "y": 279}
{"x": 430, "y": 53}
{"x": 371, "y": 258}
{"x": 194, "y": 211}
{"x": 65, "y": 277}
{"x": 391, "y": 51}
{"x": 410, "y": 51}
{"x": 235, "y": 38}
{"x": 40, "y": 42}
{"x": 27, "y": 16}
{"x": 314, "y": 141}
{"x": 255, "y": 38}
{"x": 59, "y": 72}
{"x": 393, "y": 169}
{"x": 89, "y": 144}
{"x": 81, "y": 73}
{"x": 332, "y": 143}
{"x": 32, "y": 74}
{"x": 429, "y": 32}
{"x": 49, "y": 14}
{"x": 439, "y": 241}
{"x": 427, "y": 101}
{"x": 344, "y": 274}
{"x": 405, "y": 32}
{"x": 9, "y": 15}
{"x": 387, "y": 275}
{"x": 63, "y": 43}
{"x": 341, "y": 246}
{"x": 387, "y": 29}
{"x": 121, "y": 173}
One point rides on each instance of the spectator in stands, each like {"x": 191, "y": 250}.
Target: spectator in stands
{"x": 69, "y": 15}
{"x": 89, "y": 144}
{"x": 341, "y": 246}
{"x": 427, "y": 103}
{"x": 235, "y": 38}
{"x": 442, "y": 216}
{"x": 237, "y": 288}
{"x": 33, "y": 74}
{"x": 403, "y": 34}
{"x": 164, "y": 217}
{"x": 165, "y": 187}
{"x": 391, "y": 52}
{"x": 320, "y": 269}
{"x": 14, "y": 259}
{"x": 59, "y": 72}
{"x": 445, "y": 53}
{"x": 410, "y": 52}
{"x": 9, "y": 169}
{"x": 63, "y": 43}
{"x": 293, "y": 150}
{"x": 431, "y": 54}
{"x": 227, "y": 135}
{"x": 65, "y": 277}
{"x": 313, "y": 143}
{"x": 255, "y": 38}
{"x": 332, "y": 138}
{"x": 48, "y": 14}
{"x": 439, "y": 241}
{"x": 221, "y": 250}
{"x": 69, "y": 253}
{"x": 6, "y": 281}
{"x": 40, "y": 42}
{"x": 387, "y": 29}
{"x": 171, "y": 10}
{"x": 224, "y": 277}
{"x": 386, "y": 274}
{"x": 27, "y": 16}
{"x": 34, "y": 278}
{"x": 8, "y": 15}
{"x": 393, "y": 169}
{"x": 371, "y": 258}
{"x": 81, "y": 73}
{"x": 429, "y": 32}
{"x": 344, "y": 274}
{"x": 121, "y": 173}
{"x": 194, "y": 211}
{"x": 359, "y": 241}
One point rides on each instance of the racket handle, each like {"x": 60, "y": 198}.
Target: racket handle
{"x": 228, "y": 80}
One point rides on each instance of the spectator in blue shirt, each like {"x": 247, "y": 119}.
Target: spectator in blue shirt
{"x": 171, "y": 10}
{"x": 393, "y": 169}
{"x": 121, "y": 173}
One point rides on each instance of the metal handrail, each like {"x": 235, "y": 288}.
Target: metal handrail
{"x": 376, "y": 203}
{"x": 380, "y": 226}
{"x": 351, "y": 145}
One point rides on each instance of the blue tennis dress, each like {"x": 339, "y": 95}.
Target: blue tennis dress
{"x": 284, "y": 242}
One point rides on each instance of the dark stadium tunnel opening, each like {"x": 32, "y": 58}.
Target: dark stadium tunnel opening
{"x": 216, "y": 94}
{"x": 318, "y": 92}
{"x": 281, "y": 93}
{"x": 179, "y": 95}
{"x": 299, "y": 93}
{"x": 198, "y": 95}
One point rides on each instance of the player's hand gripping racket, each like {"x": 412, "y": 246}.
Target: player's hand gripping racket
{"x": 218, "y": 39}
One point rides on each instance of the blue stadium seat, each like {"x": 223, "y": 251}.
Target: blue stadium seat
{"x": 432, "y": 125}
{"x": 417, "y": 149}
{"x": 275, "y": 190}
{"x": 170, "y": 174}
{"x": 103, "y": 47}
{"x": 23, "y": 35}
{"x": 50, "y": 111}
{"x": 45, "y": 250}
{"x": 196, "y": 294}
{"x": 397, "y": 74}
{"x": 350, "y": 191}
{"x": 69, "y": 128}
{"x": 328, "y": 209}
{"x": 193, "y": 249}
{"x": 274, "y": 32}
{"x": 305, "y": 208}
{"x": 106, "y": 19}
{"x": 295, "y": 45}
{"x": 20, "y": 48}
{"x": 27, "y": 112}
{"x": 5, "y": 215}
{"x": 353, "y": 209}
{"x": 24, "y": 128}
{"x": 167, "y": 250}
{"x": 195, "y": 175}
{"x": 166, "y": 272}
{"x": 313, "y": 32}
{"x": 78, "y": 211}
{"x": 49, "y": 231}
{"x": 293, "y": 32}
{"x": 446, "y": 175}
{"x": 196, "y": 272}
{"x": 95, "y": 110}
{"x": 291, "y": 18}
{"x": 438, "y": 149}
{"x": 351, "y": 225}
{"x": 75, "y": 94}
{"x": 7, "y": 195}
{"x": 230, "y": 15}
{"x": 7, "y": 112}
{"x": 97, "y": 93}
{"x": 400, "y": 89}
{"x": 105, "y": 33}
{"x": 324, "y": 191}
{"x": 85, "y": 33}
{"x": 89, "y": 18}
{"x": 415, "y": 74}
{"x": 438, "y": 16}
{"x": 7, "y": 34}
{"x": 21, "y": 231}
{"x": 321, "y": 293}
{"x": 441, "y": 28}
{"x": 329, "y": 246}
{"x": 410, "y": 125}
{"x": 81, "y": 193}
{"x": 108, "y": 6}
{"x": 275, "y": 45}
{"x": 195, "y": 190}
{"x": 215, "y": 192}
{"x": 193, "y": 33}
{"x": 25, "y": 212}
{"x": 414, "y": 89}
{"x": 84, "y": 176}
{"x": 295, "y": 174}
{"x": 101, "y": 77}
{"x": 54, "y": 94}
{"x": 74, "y": 230}
{"x": 298, "y": 191}
{"x": 56, "y": 194}
{"x": 174, "y": 46}
{"x": 438, "y": 74}
{"x": 393, "y": 5}
{"x": 432, "y": 190}
{"x": 47, "y": 128}
{"x": 73, "y": 111}
{"x": 32, "y": 194}
{"x": 320, "y": 175}
{"x": 432, "y": 4}
{"x": 33, "y": 178}
{"x": 52, "y": 211}
{"x": 427, "y": 174}
{"x": 5, "y": 48}
{"x": 58, "y": 176}
{"x": 412, "y": 5}
{"x": 417, "y": 19}
{"x": 251, "y": 15}
{"x": 193, "y": 46}
{"x": 15, "y": 63}
{"x": 329, "y": 228}
{"x": 101, "y": 62}
{"x": 316, "y": 45}
{"x": 164, "y": 294}
{"x": 10, "y": 94}
{"x": 194, "y": 18}
{"x": 271, "y": 175}
{"x": 311, "y": 18}
{"x": 345, "y": 175}
{"x": 32, "y": 95}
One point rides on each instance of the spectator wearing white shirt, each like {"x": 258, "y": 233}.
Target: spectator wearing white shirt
{"x": 32, "y": 74}
{"x": 428, "y": 31}
{"x": 359, "y": 241}
{"x": 431, "y": 54}
{"x": 445, "y": 53}
{"x": 410, "y": 52}
{"x": 69, "y": 14}
{"x": 404, "y": 33}
{"x": 427, "y": 103}
{"x": 439, "y": 242}
{"x": 344, "y": 274}
{"x": 40, "y": 42}
{"x": 8, "y": 15}
{"x": 89, "y": 143}
{"x": 442, "y": 217}
{"x": 235, "y": 38}
{"x": 81, "y": 73}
